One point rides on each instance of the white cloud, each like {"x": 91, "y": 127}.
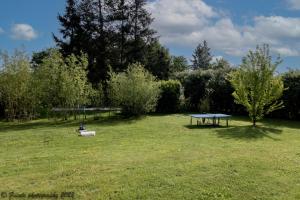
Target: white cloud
{"x": 286, "y": 51}
{"x": 1, "y": 30}
{"x": 23, "y": 32}
{"x": 216, "y": 58}
{"x": 293, "y": 4}
{"x": 187, "y": 23}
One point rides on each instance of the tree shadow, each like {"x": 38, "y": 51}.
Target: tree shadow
{"x": 205, "y": 126}
{"x": 248, "y": 132}
{"x": 52, "y": 123}
{"x": 281, "y": 123}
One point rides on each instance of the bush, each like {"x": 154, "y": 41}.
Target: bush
{"x": 63, "y": 82}
{"x": 169, "y": 97}
{"x": 291, "y": 96}
{"x": 208, "y": 91}
{"x": 135, "y": 90}
{"x": 195, "y": 87}
{"x": 17, "y": 94}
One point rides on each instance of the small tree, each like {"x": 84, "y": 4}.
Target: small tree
{"x": 135, "y": 90}
{"x": 16, "y": 92}
{"x": 63, "y": 81}
{"x": 201, "y": 56}
{"x": 256, "y": 85}
{"x": 178, "y": 64}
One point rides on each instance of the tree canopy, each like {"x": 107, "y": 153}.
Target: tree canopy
{"x": 201, "y": 56}
{"x": 256, "y": 85}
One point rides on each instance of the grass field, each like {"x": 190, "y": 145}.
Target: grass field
{"x": 155, "y": 157}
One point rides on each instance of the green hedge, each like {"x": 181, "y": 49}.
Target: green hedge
{"x": 169, "y": 97}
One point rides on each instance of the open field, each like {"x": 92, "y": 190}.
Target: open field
{"x": 155, "y": 157}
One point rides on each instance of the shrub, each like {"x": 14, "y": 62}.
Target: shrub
{"x": 195, "y": 87}
{"x": 135, "y": 90}
{"x": 210, "y": 88}
{"x": 291, "y": 96}
{"x": 169, "y": 97}
{"x": 17, "y": 94}
{"x": 63, "y": 81}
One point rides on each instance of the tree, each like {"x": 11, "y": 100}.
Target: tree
{"x": 71, "y": 30}
{"x": 135, "y": 91}
{"x": 16, "y": 92}
{"x": 140, "y": 32}
{"x": 178, "y": 64}
{"x": 63, "y": 81}
{"x": 37, "y": 57}
{"x": 158, "y": 60}
{"x": 221, "y": 64}
{"x": 256, "y": 86}
{"x": 169, "y": 99}
{"x": 291, "y": 95}
{"x": 201, "y": 56}
{"x": 111, "y": 32}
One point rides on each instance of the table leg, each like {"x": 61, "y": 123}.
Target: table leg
{"x": 191, "y": 120}
{"x": 227, "y": 122}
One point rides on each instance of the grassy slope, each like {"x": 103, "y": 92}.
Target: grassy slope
{"x": 157, "y": 157}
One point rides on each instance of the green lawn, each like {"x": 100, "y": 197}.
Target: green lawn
{"x": 156, "y": 157}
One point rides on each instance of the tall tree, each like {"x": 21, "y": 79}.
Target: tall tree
{"x": 112, "y": 33}
{"x": 140, "y": 32}
{"x": 201, "y": 56}
{"x": 256, "y": 86}
{"x": 158, "y": 60}
{"x": 178, "y": 64}
{"x": 71, "y": 30}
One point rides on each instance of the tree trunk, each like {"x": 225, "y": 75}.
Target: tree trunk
{"x": 254, "y": 122}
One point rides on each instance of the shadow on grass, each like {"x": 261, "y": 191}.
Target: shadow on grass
{"x": 206, "y": 126}
{"x": 102, "y": 121}
{"x": 248, "y": 132}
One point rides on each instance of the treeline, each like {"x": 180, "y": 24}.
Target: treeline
{"x": 29, "y": 90}
{"x": 28, "y": 93}
{"x": 113, "y": 34}
{"x": 108, "y": 55}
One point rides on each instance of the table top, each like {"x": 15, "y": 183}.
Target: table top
{"x": 209, "y": 115}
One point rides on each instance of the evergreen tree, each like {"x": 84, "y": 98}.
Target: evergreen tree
{"x": 71, "y": 30}
{"x": 158, "y": 60}
{"x": 112, "y": 33}
{"x": 178, "y": 64}
{"x": 201, "y": 56}
{"x": 140, "y": 33}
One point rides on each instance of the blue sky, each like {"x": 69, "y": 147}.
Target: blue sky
{"x": 231, "y": 27}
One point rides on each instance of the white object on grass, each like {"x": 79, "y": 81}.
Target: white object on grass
{"x": 87, "y": 133}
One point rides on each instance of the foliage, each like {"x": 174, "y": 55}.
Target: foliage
{"x": 178, "y": 64}
{"x": 221, "y": 64}
{"x": 195, "y": 87}
{"x": 201, "y": 56}
{"x": 17, "y": 94}
{"x": 64, "y": 82}
{"x": 158, "y": 60}
{"x": 210, "y": 88}
{"x": 291, "y": 95}
{"x": 169, "y": 97}
{"x": 134, "y": 90}
{"x": 37, "y": 57}
{"x": 219, "y": 90}
{"x": 112, "y": 33}
{"x": 256, "y": 86}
